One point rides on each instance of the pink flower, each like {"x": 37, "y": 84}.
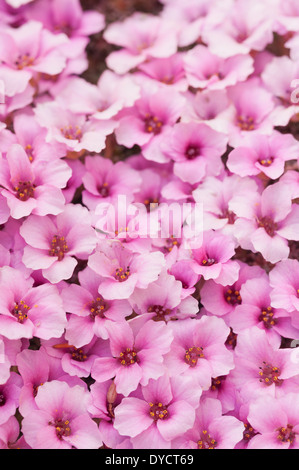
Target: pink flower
{"x": 28, "y": 311}
{"x": 103, "y": 101}
{"x": 256, "y": 309}
{"x": 196, "y": 150}
{"x": 261, "y": 369}
{"x": 66, "y": 17}
{"x": 53, "y": 243}
{"x": 211, "y": 429}
{"x": 104, "y": 180}
{"x": 36, "y": 368}
{"x": 73, "y": 132}
{"x": 244, "y": 29}
{"x": 267, "y": 221}
{"x": 164, "y": 299}
{"x": 263, "y": 154}
{"x": 207, "y": 70}
{"x": 9, "y": 434}
{"x": 32, "y": 188}
{"x": 104, "y": 400}
{"x": 123, "y": 270}
{"x": 61, "y": 420}
{"x": 278, "y": 76}
{"x": 284, "y": 280}
{"x": 32, "y": 49}
{"x": 223, "y": 300}
{"x": 252, "y": 104}
{"x": 164, "y": 410}
{"x": 167, "y": 72}
{"x": 198, "y": 350}
{"x": 137, "y": 349}
{"x": 90, "y": 312}
{"x": 276, "y": 422}
{"x": 141, "y": 36}
{"x": 9, "y": 397}
{"x": 213, "y": 259}
{"x": 146, "y": 123}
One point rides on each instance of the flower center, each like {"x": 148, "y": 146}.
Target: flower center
{"x": 192, "y": 355}
{"x": 206, "y": 441}
{"x": 245, "y": 123}
{"x": 229, "y": 215}
{"x": 268, "y": 224}
{"x": 24, "y": 190}
{"x": 208, "y": 261}
{"x": 231, "y": 340}
{"x": 58, "y": 247}
{"x": 62, "y": 428}
{"x": 233, "y": 297}
{"x": 78, "y": 355}
{"x": 269, "y": 374}
{"x": 35, "y": 389}
{"x": 192, "y": 152}
{"x": 266, "y": 162}
{"x": 71, "y": 132}
{"x": 24, "y": 61}
{"x": 248, "y": 432}
{"x": 170, "y": 243}
{"x": 158, "y": 411}
{"x": 151, "y": 203}
{"x": 98, "y": 307}
{"x": 121, "y": 275}
{"x": 160, "y": 312}
{"x": 20, "y": 311}
{"x": 286, "y": 434}
{"x": 217, "y": 382}
{"x": 2, "y": 399}
{"x": 267, "y": 317}
{"x": 104, "y": 190}
{"x": 152, "y": 124}
{"x": 128, "y": 357}
{"x": 28, "y": 150}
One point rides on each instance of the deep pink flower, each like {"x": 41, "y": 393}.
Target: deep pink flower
{"x": 146, "y": 123}
{"x": 196, "y": 150}
{"x": 32, "y": 188}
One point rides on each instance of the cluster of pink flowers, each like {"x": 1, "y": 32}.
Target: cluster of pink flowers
{"x": 113, "y": 339}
